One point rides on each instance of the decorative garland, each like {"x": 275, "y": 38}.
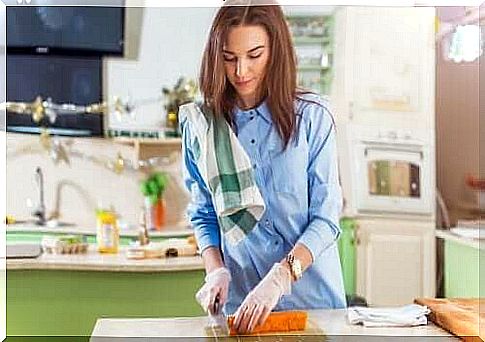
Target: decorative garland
{"x": 61, "y": 151}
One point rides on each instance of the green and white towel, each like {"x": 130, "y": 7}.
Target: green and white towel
{"x": 227, "y": 170}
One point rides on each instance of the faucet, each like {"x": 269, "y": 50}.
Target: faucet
{"x": 40, "y": 211}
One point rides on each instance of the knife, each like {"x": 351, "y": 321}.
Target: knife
{"x": 218, "y": 321}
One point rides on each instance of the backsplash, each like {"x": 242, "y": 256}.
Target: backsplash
{"x": 77, "y": 188}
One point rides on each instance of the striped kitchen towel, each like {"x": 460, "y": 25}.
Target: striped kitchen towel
{"x": 226, "y": 169}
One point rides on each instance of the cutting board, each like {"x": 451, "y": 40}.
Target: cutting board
{"x": 312, "y": 331}
{"x": 167, "y": 248}
{"x": 460, "y": 316}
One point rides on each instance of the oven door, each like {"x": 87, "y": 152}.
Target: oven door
{"x": 393, "y": 178}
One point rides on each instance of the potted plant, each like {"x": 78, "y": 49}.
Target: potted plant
{"x": 153, "y": 188}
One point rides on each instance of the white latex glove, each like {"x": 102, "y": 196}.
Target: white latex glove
{"x": 216, "y": 286}
{"x": 259, "y": 303}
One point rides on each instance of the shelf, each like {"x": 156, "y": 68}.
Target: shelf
{"x": 150, "y": 147}
{"x": 312, "y": 68}
{"x": 147, "y": 141}
{"x": 312, "y": 40}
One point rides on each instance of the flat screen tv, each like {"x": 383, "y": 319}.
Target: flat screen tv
{"x": 77, "y": 30}
{"x": 64, "y": 79}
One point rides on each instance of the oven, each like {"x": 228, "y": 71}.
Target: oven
{"x": 392, "y": 172}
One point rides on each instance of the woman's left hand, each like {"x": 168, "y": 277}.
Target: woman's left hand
{"x": 259, "y": 303}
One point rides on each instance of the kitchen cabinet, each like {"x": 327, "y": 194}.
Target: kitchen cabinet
{"x": 395, "y": 261}
{"x": 384, "y": 66}
{"x": 60, "y": 302}
{"x": 383, "y": 95}
{"x": 65, "y": 294}
{"x": 463, "y": 266}
{"x": 312, "y": 38}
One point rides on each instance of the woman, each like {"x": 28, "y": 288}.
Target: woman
{"x": 288, "y": 259}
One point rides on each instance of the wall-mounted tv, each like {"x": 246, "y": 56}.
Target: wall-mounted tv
{"x": 64, "y": 79}
{"x": 77, "y": 30}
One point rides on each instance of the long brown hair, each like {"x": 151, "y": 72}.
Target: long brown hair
{"x": 279, "y": 83}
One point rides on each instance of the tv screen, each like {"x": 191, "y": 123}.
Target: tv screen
{"x": 63, "y": 29}
{"x": 64, "y": 79}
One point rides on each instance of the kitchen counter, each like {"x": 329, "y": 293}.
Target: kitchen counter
{"x": 64, "y": 295}
{"x": 320, "y": 323}
{"x": 94, "y": 261}
{"x": 463, "y": 259}
{"x": 181, "y": 230}
{"x": 448, "y": 235}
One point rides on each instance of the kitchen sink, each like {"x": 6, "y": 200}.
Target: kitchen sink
{"x": 48, "y": 224}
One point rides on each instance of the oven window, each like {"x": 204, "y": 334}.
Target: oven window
{"x": 393, "y": 178}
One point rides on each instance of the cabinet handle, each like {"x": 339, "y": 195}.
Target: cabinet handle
{"x": 356, "y": 235}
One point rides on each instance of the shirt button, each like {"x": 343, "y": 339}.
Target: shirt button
{"x": 251, "y": 117}
{"x": 254, "y": 166}
{"x": 253, "y": 141}
{"x": 267, "y": 223}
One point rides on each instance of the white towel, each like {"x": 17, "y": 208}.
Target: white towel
{"x": 407, "y": 315}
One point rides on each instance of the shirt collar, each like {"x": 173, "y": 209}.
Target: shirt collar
{"x": 261, "y": 110}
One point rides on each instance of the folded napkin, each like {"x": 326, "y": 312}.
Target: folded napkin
{"x": 407, "y": 315}
{"x": 226, "y": 169}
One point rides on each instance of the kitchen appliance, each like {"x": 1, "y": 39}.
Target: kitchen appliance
{"x": 392, "y": 172}
{"x": 79, "y": 30}
{"x": 64, "y": 79}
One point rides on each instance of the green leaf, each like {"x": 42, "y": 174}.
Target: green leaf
{"x": 144, "y": 188}
{"x": 153, "y": 187}
{"x": 161, "y": 180}
{"x": 153, "y": 198}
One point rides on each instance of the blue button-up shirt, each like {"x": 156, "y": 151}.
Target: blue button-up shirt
{"x": 301, "y": 190}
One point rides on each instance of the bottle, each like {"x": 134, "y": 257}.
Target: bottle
{"x": 107, "y": 231}
{"x": 149, "y": 214}
{"x": 143, "y": 232}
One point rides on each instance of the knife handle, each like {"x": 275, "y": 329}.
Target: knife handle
{"x": 217, "y": 303}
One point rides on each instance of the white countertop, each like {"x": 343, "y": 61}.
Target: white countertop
{"x": 448, "y": 235}
{"x": 181, "y": 230}
{"x": 94, "y": 261}
{"x": 320, "y": 323}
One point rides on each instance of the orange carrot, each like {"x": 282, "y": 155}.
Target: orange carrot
{"x": 281, "y": 321}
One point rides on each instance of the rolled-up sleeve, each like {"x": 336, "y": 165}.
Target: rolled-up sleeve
{"x": 200, "y": 209}
{"x": 324, "y": 191}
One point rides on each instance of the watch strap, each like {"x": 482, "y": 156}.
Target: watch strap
{"x": 295, "y": 266}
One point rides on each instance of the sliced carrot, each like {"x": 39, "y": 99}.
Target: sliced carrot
{"x": 280, "y": 321}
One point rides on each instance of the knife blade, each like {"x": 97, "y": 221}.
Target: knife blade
{"x": 217, "y": 320}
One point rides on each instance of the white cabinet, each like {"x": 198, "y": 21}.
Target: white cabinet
{"x": 395, "y": 261}
{"x": 384, "y": 69}
{"x": 383, "y": 97}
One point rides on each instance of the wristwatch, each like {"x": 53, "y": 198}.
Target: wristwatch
{"x": 295, "y": 266}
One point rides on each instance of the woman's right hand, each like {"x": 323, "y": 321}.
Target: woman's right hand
{"x": 216, "y": 286}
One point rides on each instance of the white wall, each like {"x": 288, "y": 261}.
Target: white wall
{"x": 162, "y": 44}
{"x": 82, "y": 184}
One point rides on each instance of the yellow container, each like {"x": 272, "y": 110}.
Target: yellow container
{"x": 107, "y": 232}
